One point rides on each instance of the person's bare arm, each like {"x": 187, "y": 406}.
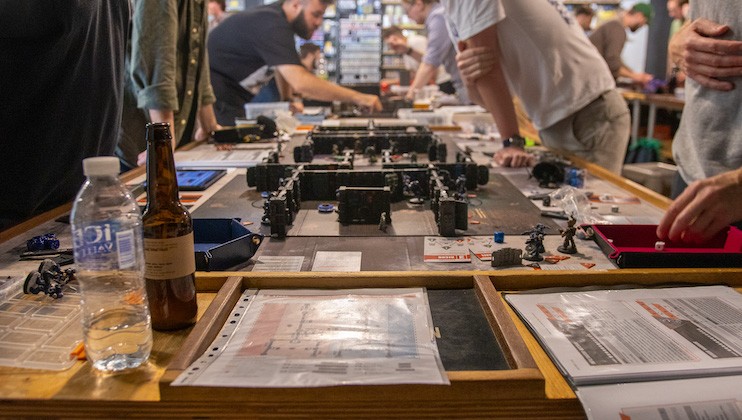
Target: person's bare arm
{"x": 206, "y": 123}
{"x": 698, "y": 52}
{"x": 703, "y": 209}
{"x": 491, "y": 86}
{"x": 423, "y": 75}
{"x": 311, "y": 86}
{"x": 156, "y": 116}
{"x": 638, "y": 77}
{"x": 415, "y": 54}
{"x": 284, "y": 88}
{"x": 400, "y": 46}
{"x": 480, "y": 67}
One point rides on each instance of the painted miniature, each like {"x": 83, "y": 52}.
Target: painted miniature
{"x": 568, "y": 246}
{"x": 535, "y": 243}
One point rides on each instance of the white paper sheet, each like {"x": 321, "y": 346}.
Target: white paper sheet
{"x": 207, "y": 157}
{"x": 684, "y": 399}
{"x": 337, "y": 261}
{"x": 278, "y": 263}
{"x": 309, "y": 338}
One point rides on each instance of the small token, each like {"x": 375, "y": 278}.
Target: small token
{"x": 326, "y": 208}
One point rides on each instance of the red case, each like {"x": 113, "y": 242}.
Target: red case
{"x": 633, "y": 246}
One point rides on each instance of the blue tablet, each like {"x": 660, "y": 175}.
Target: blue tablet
{"x": 198, "y": 180}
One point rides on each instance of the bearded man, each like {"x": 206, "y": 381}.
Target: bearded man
{"x": 247, "y": 49}
{"x": 610, "y": 37}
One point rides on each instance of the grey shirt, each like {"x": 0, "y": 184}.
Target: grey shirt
{"x": 168, "y": 69}
{"x": 709, "y": 140}
{"x": 440, "y": 49}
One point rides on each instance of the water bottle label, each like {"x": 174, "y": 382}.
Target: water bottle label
{"x": 166, "y": 259}
{"x": 98, "y": 244}
{"x": 125, "y": 245}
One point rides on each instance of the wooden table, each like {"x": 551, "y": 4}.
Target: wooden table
{"x": 83, "y": 392}
{"x": 653, "y": 100}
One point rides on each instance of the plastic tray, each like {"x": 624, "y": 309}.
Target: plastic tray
{"x": 633, "y": 246}
{"x": 36, "y": 331}
{"x": 221, "y": 244}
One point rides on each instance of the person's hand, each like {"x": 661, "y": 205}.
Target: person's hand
{"x": 398, "y": 45}
{"x": 296, "y": 107}
{"x": 203, "y": 134}
{"x": 142, "y": 158}
{"x": 703, "y": 57}
{"x": 514, "y": 157}
{"x": 368, "y": 103}
{"x": 643, "y": 78}
{"x": 703, "y": 209}
{"x": 410, "y": 95}
{"x": 474, "y": 62}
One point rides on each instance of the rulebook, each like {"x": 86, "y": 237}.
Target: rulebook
{"x": 611, "y": 336}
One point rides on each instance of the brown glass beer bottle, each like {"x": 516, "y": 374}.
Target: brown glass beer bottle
{"x": 168, "y": 238}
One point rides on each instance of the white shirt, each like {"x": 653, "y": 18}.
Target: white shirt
{"x": 547, "y": 60}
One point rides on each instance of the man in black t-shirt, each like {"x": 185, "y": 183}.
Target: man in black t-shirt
{"x": 246, "y": 49}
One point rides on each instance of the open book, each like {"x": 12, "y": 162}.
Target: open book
{"x": 611, "y": 336}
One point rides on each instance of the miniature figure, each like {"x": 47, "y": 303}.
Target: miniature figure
{"x": 370, "y": 153}
{"x": 412, "y": 188}
{"x": 49, "y": 279}
{"x": 461, "y": 186}
{"x": 383, "y": 222}
{"x": 413, "y": 157}
{"x": 335, "y": 150}
{"x": 393, "y": 148}
{"x": 535, "y": 243}
{"x": 568, "y": 246}
{"x": 266, "y": 219}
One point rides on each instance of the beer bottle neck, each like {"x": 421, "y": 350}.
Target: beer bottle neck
{"x": 162, "y": 183}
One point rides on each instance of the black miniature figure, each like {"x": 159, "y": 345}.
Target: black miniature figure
{"x": 393, "y": 148}
{"x": 383, "y": 222}
{"x": 413, "y": 157}
{"x": 412, "y": 188}
{"x": 461, "y": 186}
{"x": 568, "y": 246}
{"x": 535, "y": 243}
{"x": 266, "y": 219}
{"x": 370, "y": 153}
{"x": 49, "y": 279}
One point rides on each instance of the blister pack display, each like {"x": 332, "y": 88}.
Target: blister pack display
{"x": 36, "y": 331}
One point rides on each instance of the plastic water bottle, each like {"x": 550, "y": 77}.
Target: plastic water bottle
{"x": 107, "y": 236}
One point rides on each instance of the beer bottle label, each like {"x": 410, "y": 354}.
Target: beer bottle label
{"x": 170, "y": 258}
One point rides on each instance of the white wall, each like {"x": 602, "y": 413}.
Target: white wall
{"x": 635, "y": 50}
